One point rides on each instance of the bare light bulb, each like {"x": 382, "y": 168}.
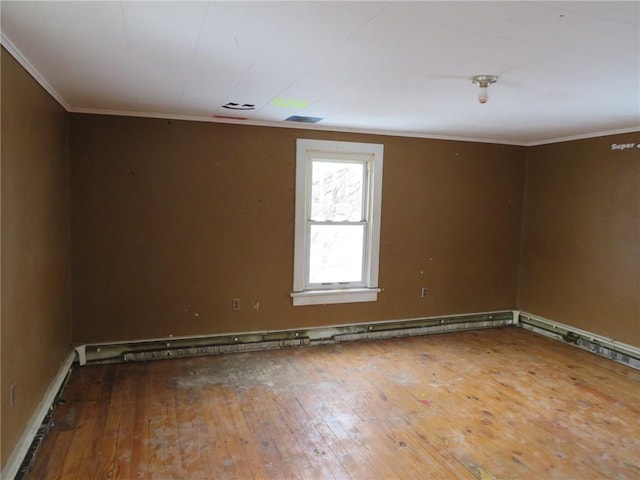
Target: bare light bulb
{"x": 484, "y": 81}
{"x": 483, "y": 96}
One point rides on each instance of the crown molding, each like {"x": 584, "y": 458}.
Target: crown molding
{"x": 33, "y": 71}
{"x": 22, "y": 60}
{"x": 585, "y": 136}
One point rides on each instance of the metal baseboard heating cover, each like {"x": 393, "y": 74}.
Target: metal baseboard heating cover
{"x": 254, "y": 341}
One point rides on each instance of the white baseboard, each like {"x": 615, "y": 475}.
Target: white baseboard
{"x": 22, "y": 448}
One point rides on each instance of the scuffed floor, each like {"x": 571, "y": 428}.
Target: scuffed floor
{"x": 492, "y": 404}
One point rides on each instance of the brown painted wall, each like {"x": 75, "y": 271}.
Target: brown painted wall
{"x": 172, "y": 219}
{"x": 36, "y": 333}
{"x": 581, "y": 236}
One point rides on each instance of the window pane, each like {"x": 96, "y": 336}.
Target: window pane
{"x": 336, "y": 191}
{"x": 336, "y": 253}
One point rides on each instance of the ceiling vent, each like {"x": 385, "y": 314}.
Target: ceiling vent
{"x": 301, "y": 119}
{"x": 238, "y": 106}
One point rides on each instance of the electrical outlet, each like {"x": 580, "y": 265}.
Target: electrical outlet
{"x": 424, "y": 292}
{"x": 12, "y": 393}
{"x": 235, "y": 304}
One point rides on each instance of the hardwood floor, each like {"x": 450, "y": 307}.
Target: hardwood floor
{"x": 503, "y": 404}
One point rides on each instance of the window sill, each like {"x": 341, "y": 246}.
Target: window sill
{"x": 323, "y": 297}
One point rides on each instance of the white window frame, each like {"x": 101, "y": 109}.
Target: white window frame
{"x": 367, "y": 290}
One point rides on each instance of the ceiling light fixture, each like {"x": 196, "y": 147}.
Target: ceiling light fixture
{"x": 483, "y": 81}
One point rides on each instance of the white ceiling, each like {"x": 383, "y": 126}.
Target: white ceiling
{"x": 567, "y": 69}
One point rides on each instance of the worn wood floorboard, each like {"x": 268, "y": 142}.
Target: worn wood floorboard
{"x": 493, "y": 404}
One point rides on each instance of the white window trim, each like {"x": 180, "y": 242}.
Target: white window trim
{"x": 306, "y": 150}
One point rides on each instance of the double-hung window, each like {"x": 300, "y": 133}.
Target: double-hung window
{"x": 337, "y": 223}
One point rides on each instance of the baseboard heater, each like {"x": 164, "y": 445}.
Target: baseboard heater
{"x": 602, "y": 346}
{"x": 253, "y": 341}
